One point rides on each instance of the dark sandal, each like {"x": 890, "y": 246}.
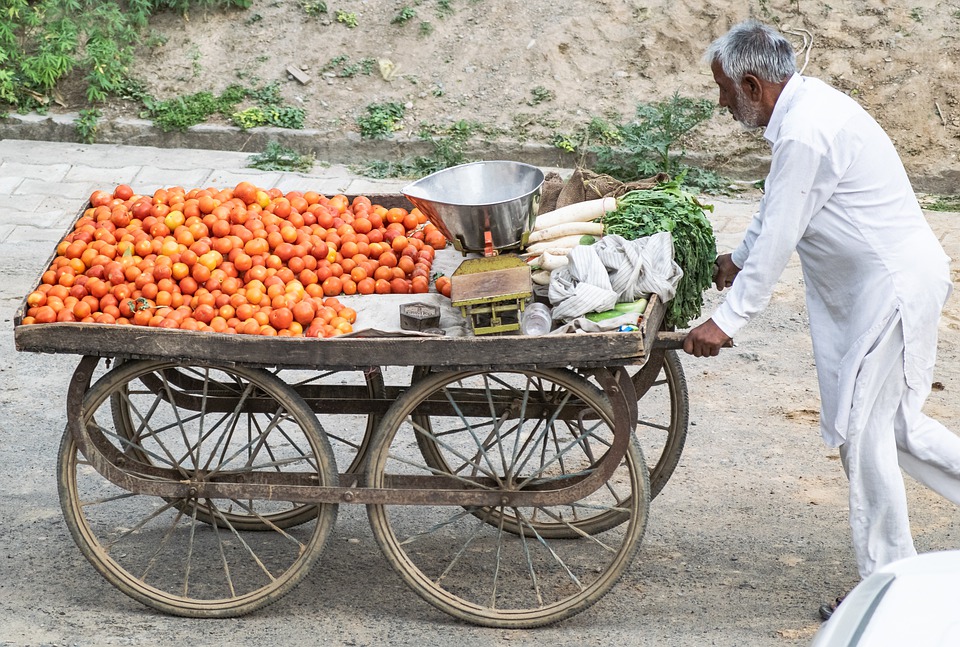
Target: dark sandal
{"x": 827, "y": 609}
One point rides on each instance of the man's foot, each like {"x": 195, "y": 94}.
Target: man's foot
{"x": 827, "y": 609}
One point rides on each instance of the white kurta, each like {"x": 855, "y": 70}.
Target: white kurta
{"x": 838, "y": 194}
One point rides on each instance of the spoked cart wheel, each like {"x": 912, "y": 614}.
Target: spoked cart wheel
{"x": 348, "y": 435}
{"x": 663, "y": 415}
{"x": 190, "y": 555}
{"x": 509, "y": 434}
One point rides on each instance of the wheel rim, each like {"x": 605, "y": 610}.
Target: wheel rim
{"x": 506, "y": 566}
{"x": 663, "y": 417}
{"x": 207, "y": 558}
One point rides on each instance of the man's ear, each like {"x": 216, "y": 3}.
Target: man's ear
{"x": 752, "y": 87}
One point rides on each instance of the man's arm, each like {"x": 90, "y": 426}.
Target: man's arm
{"x": 801, "y": 181}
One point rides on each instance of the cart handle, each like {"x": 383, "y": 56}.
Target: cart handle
{"x": 673, "y": 340}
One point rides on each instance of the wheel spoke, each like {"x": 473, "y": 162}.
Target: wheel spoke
{"x": 553, "y": 553}
{"x": 196, "y": 557}
{"x": 470, "y": 430}
{"x": 478, "y": 527}
{"x": 137, "y": 526}
{"x": 496, "y": 565}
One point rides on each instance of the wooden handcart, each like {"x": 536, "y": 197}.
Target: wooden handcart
{"x": 504, "y": 476}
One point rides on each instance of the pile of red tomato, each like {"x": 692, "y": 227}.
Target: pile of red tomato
{"x": 242, "y": 260}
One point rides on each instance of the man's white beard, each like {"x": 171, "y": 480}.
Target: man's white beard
{"x": 748, "y": 113}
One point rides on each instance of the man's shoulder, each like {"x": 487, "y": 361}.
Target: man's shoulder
{"x": 817, "y": 106}
{"x": 820, "y": 93}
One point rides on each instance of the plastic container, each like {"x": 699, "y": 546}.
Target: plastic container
{"x": 537, "y": 319}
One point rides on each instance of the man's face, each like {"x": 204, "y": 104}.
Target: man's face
{"x": 735, "y": 99}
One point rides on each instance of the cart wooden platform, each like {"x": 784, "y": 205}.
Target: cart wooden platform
{"x": 504, "y": 476}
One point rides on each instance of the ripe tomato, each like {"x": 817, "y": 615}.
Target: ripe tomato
{"x": 281, "y": 318}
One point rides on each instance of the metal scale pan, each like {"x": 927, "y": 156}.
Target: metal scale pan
{"x": 486, "y": 209}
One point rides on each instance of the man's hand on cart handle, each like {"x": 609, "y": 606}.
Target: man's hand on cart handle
{"x": 724, "y": 271}
{"x": 706, "y": 340}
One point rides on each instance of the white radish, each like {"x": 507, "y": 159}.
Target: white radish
{"x": 550, "y": 261}
{"x": 541, "y": 277}
{"x": 566, "y": 229}
{"x": 558, "y": 243}
{"x": 577, "y": 212}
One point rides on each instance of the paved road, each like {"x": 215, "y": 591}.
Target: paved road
{"x": 742, "y": 544}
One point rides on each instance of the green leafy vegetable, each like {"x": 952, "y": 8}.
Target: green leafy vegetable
{"x": 669, "y": 207}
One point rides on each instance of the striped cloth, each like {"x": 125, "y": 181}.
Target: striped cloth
{"x": 613, "y": 270}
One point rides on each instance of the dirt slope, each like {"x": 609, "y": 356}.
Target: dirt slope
{"x": 489, "y": 60}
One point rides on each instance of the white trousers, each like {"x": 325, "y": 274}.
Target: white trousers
{"x": 888, "y": 431}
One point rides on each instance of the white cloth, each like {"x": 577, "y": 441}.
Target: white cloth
{"x": 611, "y": 271}
{"x": 888, "y": 430}
{"x": 837, "y": 193}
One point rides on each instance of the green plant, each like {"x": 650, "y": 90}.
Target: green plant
{"x": 314, "y": 9}
{"x": 195, "y": 62}
{"x": 598, "y": 132}
{"x": 279, "y": 116}
{"x": 347, "y": 18}
{"x": 564, "y": 143}
{"x": 156, "y": 39}
{"x": 363, "y": 66}
{"x": 425, "y": 28}
{"x": 277, "y": 157}
{"x": 87, "y": 123}
{"x": 344, "y": 69}
{"x": 182, "y": 112}
{"x": 917, "y": 14}
{"x": 943, "y": 203}
{"x": 448, "y": 150}
{"x": 404, "y": 15}
{"x": 540, "y": 94}
{"x": 268, "y": 95}
{"x": 650, "y": 144}
{"x": 380, "y": 120}
{"x": 44, "y": 41}
{"x": 604, "y": 132}
{"x": 444, "y": 8}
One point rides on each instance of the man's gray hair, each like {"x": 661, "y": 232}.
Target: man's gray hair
{"x": 752, "y": 47}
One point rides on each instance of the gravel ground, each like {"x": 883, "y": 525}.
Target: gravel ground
{"x": 748, "y": 537}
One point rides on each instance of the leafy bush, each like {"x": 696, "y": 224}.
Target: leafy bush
{"x": 42, "y": 41}
{"x": 280, "y": 158}
{"x": 86, "y": 123}
{"x": 182, "y": 112}
{"x": 381, "y": 120}
{"x": 279, "y": 116}
{"x": 179, "y": 113}
{"x": 448, "y": 145}
{"x": 649, "y": 144}
{"x": 405, "y": 14}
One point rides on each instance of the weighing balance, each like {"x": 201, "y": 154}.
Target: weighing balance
{"x": 487, "y": 210}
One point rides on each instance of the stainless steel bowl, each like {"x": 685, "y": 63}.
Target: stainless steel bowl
{"x": 481, "y": 207}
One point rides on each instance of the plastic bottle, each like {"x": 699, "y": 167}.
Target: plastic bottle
{"x": 537, "y": 319}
